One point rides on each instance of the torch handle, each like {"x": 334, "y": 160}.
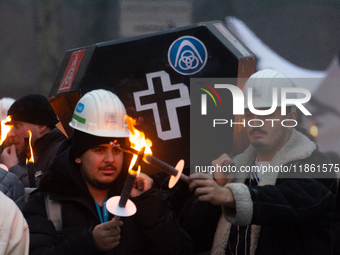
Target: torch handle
{"x": 130, "y": 180}
{"x": 184, "y": 178}
{"x": 125, "y": 148}
{"x": 31, "y": 174}
{"x": 27, "y": 147}
{"x": 116, "y": 218}
{"x": 161, "y": 165}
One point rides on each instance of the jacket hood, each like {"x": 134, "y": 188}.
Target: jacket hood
{"x": 297, "y": 147}
{"x": 65, "y": 179}
{"x": 55, "y": 137}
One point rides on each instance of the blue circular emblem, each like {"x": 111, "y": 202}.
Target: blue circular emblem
{"x": 80, "y": 107}
{"x": 187, "y": 55}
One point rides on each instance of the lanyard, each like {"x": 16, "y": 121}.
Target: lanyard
{"x": 105, "y": 215}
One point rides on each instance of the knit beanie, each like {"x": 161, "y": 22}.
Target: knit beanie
{"x": 83, "y": 141}
{"x": 33, "y": 108}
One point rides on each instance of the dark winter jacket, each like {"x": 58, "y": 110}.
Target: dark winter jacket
{"x": 288, "y": 214}
{"x": 12, "y": 187}
{"x": 44, "y": 150}
{"x": 152, "y": 230}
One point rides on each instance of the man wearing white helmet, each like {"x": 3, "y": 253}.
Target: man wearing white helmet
{"x": 86, "y": 172}
{"x": 270, "y": 212}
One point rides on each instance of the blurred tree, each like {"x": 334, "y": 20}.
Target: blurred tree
{"x": 63, "y": 25}
{"x": 49, "y": 41}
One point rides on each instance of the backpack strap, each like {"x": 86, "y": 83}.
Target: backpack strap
{"x": 53, "y": 210}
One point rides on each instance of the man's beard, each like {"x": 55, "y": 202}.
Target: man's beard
{"x": 257, "y": 144}
{"x": 99, "y": 185}
{"x": 96, "y": 183}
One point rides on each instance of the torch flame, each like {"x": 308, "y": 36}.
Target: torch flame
{"x": 31, "y": 159}
{"x": 313, "y": 131}
{"x": 4, "y": 129}
{"x": 137, "y": 140}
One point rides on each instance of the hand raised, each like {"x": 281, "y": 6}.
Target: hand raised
{"x": 146, "y": 184}
{"x": 222, "y": 163}
{"x": 206, "y": 189}
{"x": 9, "y": 156}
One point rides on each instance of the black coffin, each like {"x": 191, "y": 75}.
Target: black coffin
{"x": 151, "y": 75}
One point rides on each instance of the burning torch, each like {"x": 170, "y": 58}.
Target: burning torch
{"x": 136, "y": 135}
{"x": 30, "y": 159}
{"x": 175, "y": 172}
{"x": 121, "y": 206}
{"x": 4, "y": 131}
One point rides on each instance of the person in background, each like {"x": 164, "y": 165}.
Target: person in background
{"x": 5, "y": 104}
{"x": 269, "y": 212}
{"x": 335, "y": 159}
{"x": 9, "y": 182}
{"x": 12, "y": 187}
{"x": 14, "y": 233}
{"x": 32, "y": 112}
{"x": 88, "y": 170}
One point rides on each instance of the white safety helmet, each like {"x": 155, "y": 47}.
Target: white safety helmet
{"x": 100, "y": 113}
{"x": 5, "y": 104}
{"x": 262, "y": 84}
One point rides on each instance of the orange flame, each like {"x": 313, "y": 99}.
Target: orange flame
{"x": 31, "y": 159}
{"x": 4, "y": 129}
{"x": 137, "y": 140}
{"x": 313, "y": 131}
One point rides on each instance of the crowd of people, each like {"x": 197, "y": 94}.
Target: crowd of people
{"x": 73, "y": 178}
